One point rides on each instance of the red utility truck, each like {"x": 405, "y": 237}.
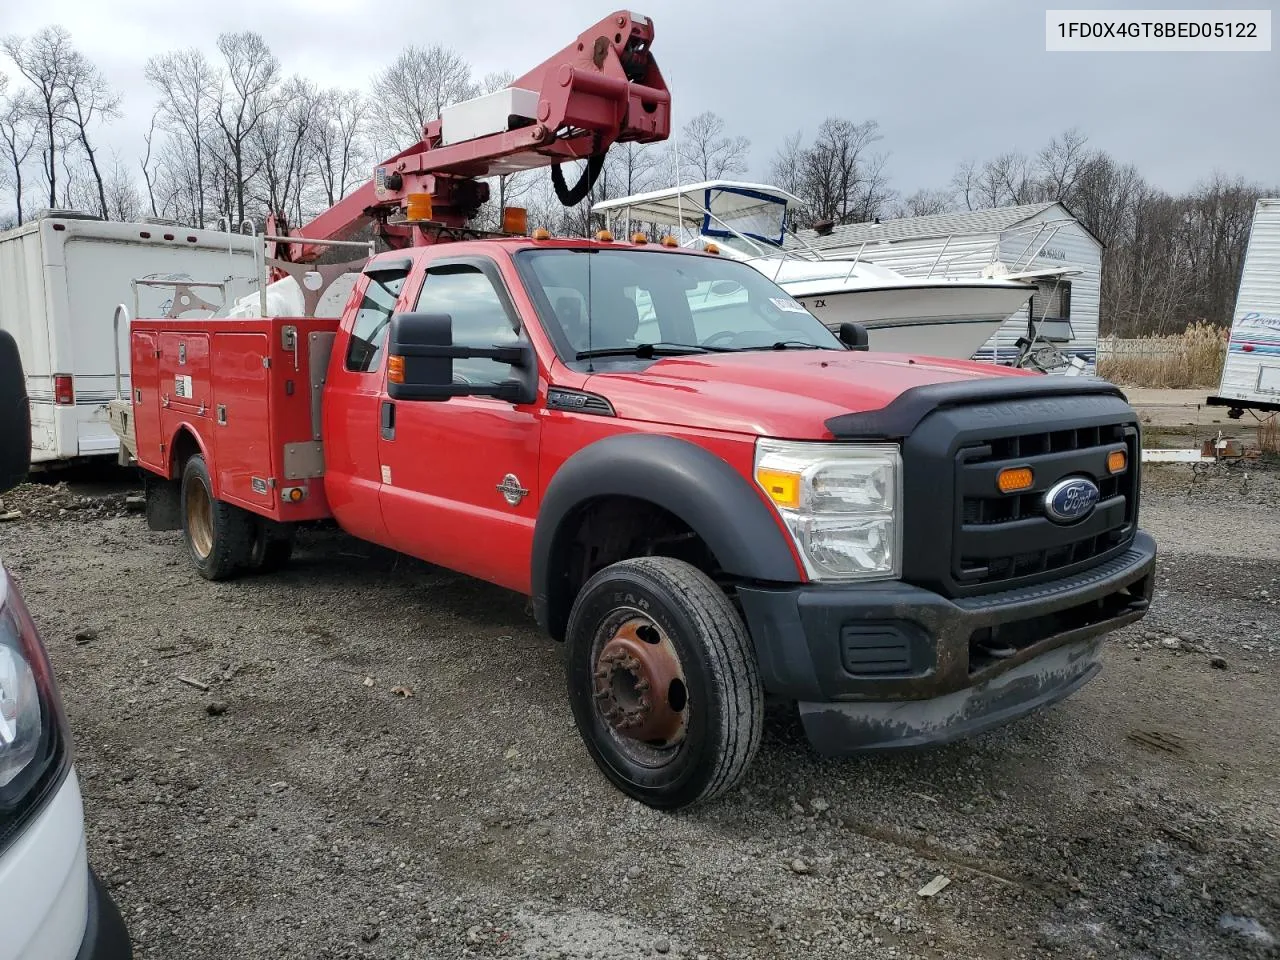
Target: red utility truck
{"x": 709, "y": 497}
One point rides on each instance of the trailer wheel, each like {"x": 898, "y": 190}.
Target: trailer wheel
{"x": 663, "y": 682}
{"x": 219, "y": 536}
{"x": 272, "y": 547}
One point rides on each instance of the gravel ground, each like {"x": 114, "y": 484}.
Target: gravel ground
{"x": 384, "y": 766}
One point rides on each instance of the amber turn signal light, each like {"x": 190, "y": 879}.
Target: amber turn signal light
{"x": 395, "y": 369}
{"x": 1015, "y": 479}
{"x": 783, "y": 488}
{"x": 1117, "y": 460}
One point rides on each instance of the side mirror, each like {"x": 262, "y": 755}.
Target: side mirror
{"x": 420, "y": 355}
{"x": 15, "y": 416}
{"x": 854, "y": 336}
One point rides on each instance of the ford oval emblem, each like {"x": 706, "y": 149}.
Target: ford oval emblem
{"x": 1071, "y": 500}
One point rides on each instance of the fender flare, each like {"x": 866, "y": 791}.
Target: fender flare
{"x": 702, "y": 490}
{"x": 173, "y": 470}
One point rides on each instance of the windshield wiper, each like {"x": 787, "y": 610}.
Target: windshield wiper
{"x": 645, "y": 351}
{"x": 791, "y": 345}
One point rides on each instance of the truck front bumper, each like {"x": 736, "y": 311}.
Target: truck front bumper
{"x": 883, "y": 665}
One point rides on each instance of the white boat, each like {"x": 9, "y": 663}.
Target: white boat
{"x": 936, "y": 316}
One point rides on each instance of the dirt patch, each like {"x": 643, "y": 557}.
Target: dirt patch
{"x": 391, "y": 771}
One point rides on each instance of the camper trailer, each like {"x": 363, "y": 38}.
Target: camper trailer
{"x": 1251, "y": 374}
{"x": 62, "y": 277}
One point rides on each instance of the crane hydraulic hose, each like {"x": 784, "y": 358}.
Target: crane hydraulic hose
{"x": 573, "y": 197}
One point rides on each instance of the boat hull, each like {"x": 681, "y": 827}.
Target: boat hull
{"x": 942, "y": 321}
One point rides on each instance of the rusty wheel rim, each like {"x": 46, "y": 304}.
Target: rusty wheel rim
{"x": 200, "y": 519}
{"x": 639, "y": 687}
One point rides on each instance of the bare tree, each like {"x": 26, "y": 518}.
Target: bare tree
{"x": 90, "y": 99}
{"x": 244, "y": 99}
{"x": 925, "y": 203}
{"x": 1061, "y": 163}
{"x": 188, "y": 89}
{"x": 964, "y": 183}
{"x": 145, "y": 162}
{"x": 839, "y": 176}
{"x": 45, "y": 60}
{"x": 338, "y": 142}
{"x": 706, "y": 153}
{"x": 19, "y": 135}
{"x": 283, "y": 149}
{"x": 784, "y": 168}
{"x": 413, "y": 90}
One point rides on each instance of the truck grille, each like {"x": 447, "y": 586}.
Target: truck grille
{"x": 1003, "y": 537}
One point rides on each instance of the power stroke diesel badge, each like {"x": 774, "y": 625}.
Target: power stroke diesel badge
{"x": 511, "y": 490}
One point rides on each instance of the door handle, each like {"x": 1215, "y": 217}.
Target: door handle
{"x": 388, "y": 420}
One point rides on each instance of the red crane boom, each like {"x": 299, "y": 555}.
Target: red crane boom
{"x": 602, "y": 89}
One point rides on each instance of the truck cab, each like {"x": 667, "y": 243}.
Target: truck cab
{"x": 710, "y": 498}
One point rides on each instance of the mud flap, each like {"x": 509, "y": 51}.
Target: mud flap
{"x": 839, "y": 729}
{"x": 164, "y": 503}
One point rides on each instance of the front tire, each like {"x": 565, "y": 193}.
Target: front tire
{"x": 663, "y": 682}
{"x": 219, "y": 537}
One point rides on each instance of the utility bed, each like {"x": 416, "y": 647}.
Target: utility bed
{"x": 246, "y": 392}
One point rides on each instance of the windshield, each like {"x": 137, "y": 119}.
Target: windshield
{"x": 595, "y": 301}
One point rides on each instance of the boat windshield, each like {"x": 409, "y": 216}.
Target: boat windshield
{"x": 744, "y": 213}
{"x": 630, "y": 303}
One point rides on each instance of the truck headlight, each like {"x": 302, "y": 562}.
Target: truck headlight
{"x": 841, "y": 502}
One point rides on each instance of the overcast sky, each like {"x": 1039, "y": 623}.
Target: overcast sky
{"x": 945, "y": 80}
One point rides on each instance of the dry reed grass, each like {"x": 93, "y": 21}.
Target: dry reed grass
{"x": 1193, "y": 358}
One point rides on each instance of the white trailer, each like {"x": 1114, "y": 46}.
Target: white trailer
{"x": 61, "y": 278}
{"x": 1251, "y": 374}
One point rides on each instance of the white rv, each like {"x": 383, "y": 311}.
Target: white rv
{"x": 61, "y": 278}
{"x": 1251, "y": 375}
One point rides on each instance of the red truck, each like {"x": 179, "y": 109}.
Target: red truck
{"x": 709, "y": 496}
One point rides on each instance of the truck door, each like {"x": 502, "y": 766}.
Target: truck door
{"x": 144, "y": 365}
{"x": 460, "y": 477}
{"x": 352, "y": 406}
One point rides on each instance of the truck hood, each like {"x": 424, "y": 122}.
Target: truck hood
{"x": 774, "y": 393}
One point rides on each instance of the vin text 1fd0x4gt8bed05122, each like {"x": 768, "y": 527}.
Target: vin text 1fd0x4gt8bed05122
{"x": 709, "y": 496}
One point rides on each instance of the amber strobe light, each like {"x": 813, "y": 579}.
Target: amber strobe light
{"x": 1117, "y": 461}
{"x": 515, "y": 220}
{"x": 1014, "y": 479}
{"x": 417, "y": 206}
{"x": 395, "y": 369}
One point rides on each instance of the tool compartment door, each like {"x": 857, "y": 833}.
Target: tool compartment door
{"x": 184, "y": 372}
{"x": 144, "y": 364}
{"x": 240, "y": 412}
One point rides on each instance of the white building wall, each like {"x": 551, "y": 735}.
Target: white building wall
{"x": 1069, "y": 245}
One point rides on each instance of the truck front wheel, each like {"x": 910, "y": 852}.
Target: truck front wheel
{"x": 219, "y": 536}
{"x": 663, "y": 682}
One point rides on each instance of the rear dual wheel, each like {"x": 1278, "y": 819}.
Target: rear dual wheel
{"x": 663, "y": 682}
{"x": 219, "y": 536}
{"x": 222, "y": 539}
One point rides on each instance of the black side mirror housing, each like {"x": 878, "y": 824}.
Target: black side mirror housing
{"x": 15, "y": 416}
{"x": 420, "y": 355}
{"x": 854, "y": 336}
